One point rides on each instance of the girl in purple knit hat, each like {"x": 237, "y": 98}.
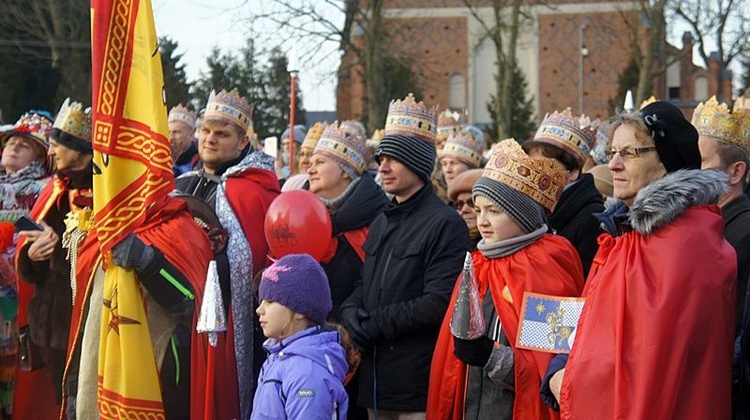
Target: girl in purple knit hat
{"x": 306, "y": 366}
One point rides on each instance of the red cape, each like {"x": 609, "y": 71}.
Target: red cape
{"x": 549, "y": 266}
{"x": 656, "y": 333}
{"x": 249, "y": 193}
{"x": 169, "y": 226}
{"x": 33, "y": 392}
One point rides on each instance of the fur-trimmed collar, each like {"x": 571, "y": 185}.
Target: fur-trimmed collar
{"x": 662, "y": 201}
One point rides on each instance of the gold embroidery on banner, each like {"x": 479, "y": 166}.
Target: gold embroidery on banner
{"x": 135, "y": 141}
{"x": 114, "y": 56}
{"x": 111, "y": 408}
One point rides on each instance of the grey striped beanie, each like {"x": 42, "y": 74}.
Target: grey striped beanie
{"x": 527, "y": 213}
{"x": 417, "y": 155}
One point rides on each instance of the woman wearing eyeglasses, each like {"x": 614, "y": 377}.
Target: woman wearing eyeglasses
{"x": 569, "y": 141}
{"x": 656, "y": 333}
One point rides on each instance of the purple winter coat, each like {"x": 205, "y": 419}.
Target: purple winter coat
{"x": 303, "y": 378}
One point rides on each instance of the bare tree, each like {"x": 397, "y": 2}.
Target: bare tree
{"x": 508, "y": 18}
{"x": 57, "y": 30}
{"x": 361, "y": 38}
{"x": 720, "y": 24}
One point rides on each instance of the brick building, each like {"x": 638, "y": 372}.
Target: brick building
{"x": 572, "y": 53}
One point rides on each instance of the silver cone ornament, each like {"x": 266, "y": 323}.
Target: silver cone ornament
{"x": 467, "y": 322}
{"x": 212, "y": 319}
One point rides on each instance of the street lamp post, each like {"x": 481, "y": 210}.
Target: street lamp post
{"x": 583, "y": 53}
{"x": 293, "y": 70}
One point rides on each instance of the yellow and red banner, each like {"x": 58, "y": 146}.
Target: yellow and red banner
{"x": 132, "y": 170}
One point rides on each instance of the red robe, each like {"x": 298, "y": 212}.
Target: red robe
{"x": 550, "y": 266}
{"x": 169, "y": 227}
{"x": 249, "y": 193}
{"x": 34, "y": 393}
{"x": 656, "y": 333}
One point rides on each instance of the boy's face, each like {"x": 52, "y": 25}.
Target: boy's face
{"x": 275, "y": 319}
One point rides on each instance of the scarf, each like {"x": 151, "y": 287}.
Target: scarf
{"x": 510, "y": 246}
{"x": 333, "y": 204}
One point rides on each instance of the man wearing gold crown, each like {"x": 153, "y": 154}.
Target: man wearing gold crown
{"x": 240, "y": 184}
{"x": 413, "y": 254}
{"x": 181, "y": 129}
{"x": 724, "y": 143}
{"x": 44, "y": 257}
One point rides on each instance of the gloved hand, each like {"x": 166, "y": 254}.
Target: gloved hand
{"x": 351, "y": 319}
{"x": 131, "y": 252}
{"x": 473, "y": 352}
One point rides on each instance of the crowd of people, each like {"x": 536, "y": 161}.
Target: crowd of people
{"x": 643, "y": 218}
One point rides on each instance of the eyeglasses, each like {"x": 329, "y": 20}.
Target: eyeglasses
{"x": 459, "y": 204}
{"x": 628, "y": 153}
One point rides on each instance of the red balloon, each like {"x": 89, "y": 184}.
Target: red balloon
{"x": 298, "y": 223}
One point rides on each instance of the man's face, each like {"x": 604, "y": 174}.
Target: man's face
{"x": 219, "y": 143}
{"x": 180, "y": 135}
{"x": 397, "y": 178}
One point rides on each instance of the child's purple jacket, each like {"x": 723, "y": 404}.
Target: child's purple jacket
{"x": 303, "y": 378}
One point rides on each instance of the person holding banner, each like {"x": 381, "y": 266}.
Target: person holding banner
{"x": 656, "y": 333}
{"x": 516, "y": 256}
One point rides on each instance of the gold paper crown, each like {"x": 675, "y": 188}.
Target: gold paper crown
{"x": 313, "y": 135}
{"x": 229, "y": 107}
{"x": 344, "y": 147}
{"x": 409, "y": 118}
{"x": 541, "y": 179}
{"x": 563, "y": 130}
{"x": 377, "y": 135}
{"x": 353, "y": 127}
{"x": 74, "y": 120}
{"x": 450, "y": 123}
{"x": 648, "y": 101}
{"x": 464, "y": 147}
{"x": 183, "y": 115}
{"x": 715, "y": 120}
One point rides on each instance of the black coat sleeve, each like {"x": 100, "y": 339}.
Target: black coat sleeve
{"x": 168, "y": 286}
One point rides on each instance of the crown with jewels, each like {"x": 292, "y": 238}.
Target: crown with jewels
{"x": 411, "y": 118}
{"x": 35, "y": 125}
{"x": 715, "y": 120}
{"x": 343, "y": 147}
{"x": 465, "y": 146}
{"x": 541, "y": 179}
{"x": 229, "y": 107}
{"x": 563, "y": 130}
{"x": 74, "y": 120}
{"x": 182, "y": 114}
{"x": 313, "y": 135}
{"x": 450, "y": 122}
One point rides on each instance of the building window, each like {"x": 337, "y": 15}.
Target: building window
{"x": 701, "y": 89}
{"x": 457, "y": 92}
{"x": 674, "y": 93}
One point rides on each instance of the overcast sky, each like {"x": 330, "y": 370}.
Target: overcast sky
{"x": 199, "y": 25}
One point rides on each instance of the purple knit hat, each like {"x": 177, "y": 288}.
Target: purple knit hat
{"x": 298, "y": 282}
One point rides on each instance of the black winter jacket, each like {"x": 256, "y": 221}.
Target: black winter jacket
{"x": 365, "y": 203}
{"x": 414, "y": 253}
{"x": 573, "y": 218}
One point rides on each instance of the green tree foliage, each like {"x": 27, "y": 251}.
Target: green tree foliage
{"x": 522, "y": 123}
{"x": 176, "y": 85}
{"x": 267, "y": 86}
{"x": 628, "y": 80}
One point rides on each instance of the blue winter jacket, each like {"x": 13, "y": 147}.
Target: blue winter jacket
{"x": 303, "y": 378}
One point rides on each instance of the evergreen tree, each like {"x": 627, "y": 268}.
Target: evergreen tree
{"x": 628, "y": 80}
{"x": 522, "y": 123}
{"x": 176, "y": 85}
{"x": 272, "y": 110}
{"x": 267, "y": 87}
